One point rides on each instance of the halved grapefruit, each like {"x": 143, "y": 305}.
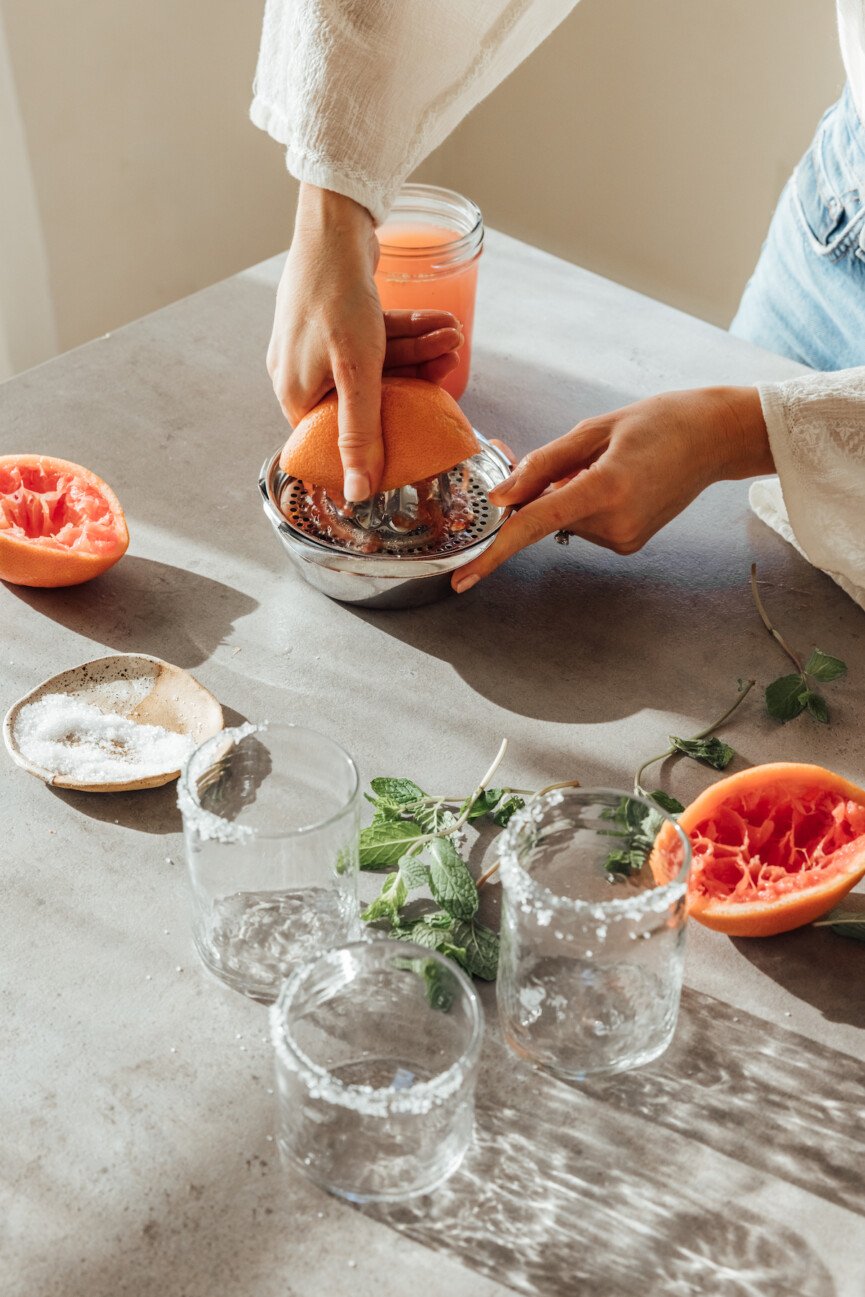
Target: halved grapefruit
{"x": 424, "y": 431}
{"x": 60, "y": 524}
{"x": 774, "y": 847}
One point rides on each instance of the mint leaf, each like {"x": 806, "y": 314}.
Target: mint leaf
{"x": 441, "y": 985}
{"x": 434, "y": 931}
{"x": 667, "y": 803}
{"x": 415, "y": 871}
{"x": 638, "y": 829}
{"x": 384, "y": 843}
{"x": 505, "y": 809}
{"x": 816, "y": 706}
{"x": 450, "y": 881}
{"x": 855, "y": 930}
{"x": 496, "y": 803}
{"x": 784, "y": 697}
{"x": 481, "y": 949}
{"x": 485, "y": 804}
{"x": 398, "y": 791}
{"x": 434, "y": 818}
{"x": 473, "y": 946}
{"x": 625, "y": 861}
{"x": 846, "y": 923}
{"x": 389, "y": 901}
{"x": 711, "y": 751}
{"x": 823, "y": 667}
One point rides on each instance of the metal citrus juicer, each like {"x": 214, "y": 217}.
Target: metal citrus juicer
{"x": 397, "y": 549}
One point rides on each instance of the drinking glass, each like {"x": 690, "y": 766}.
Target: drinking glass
{"x": 431, "y": 243}
{"x": 377, "y": 1048}
{"x": 271, "y": 823}
{"x": 593, "y": 931}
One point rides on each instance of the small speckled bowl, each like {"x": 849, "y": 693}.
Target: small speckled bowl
{"x": 138, "y": 687}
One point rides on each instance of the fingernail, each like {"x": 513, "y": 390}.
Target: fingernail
{"x": 466, "y": 583}
{"x": 356, "y": 486}
{"x": 503, "y": 487}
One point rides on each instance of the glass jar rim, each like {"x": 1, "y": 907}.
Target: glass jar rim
{"x": 211, "y": 826}
{"x": 437, "y": 201}
{"x": 527, "y": 887}
{"x": 381, "y": 1101}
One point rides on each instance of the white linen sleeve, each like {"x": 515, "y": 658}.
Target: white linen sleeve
{"x": 816, "y": 428}
{"x": 360, "y": 91}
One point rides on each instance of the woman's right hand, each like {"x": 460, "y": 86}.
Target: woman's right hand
{"x": 329, "y": 332}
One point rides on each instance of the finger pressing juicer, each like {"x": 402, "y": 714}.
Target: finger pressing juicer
{"x": 399, "y": 548}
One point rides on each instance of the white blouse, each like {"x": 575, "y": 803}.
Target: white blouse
{"x": 361, "y": 91}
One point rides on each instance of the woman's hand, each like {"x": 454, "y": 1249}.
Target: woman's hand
{"x": 617, "y": 479}
{"x": 329, "y": 332}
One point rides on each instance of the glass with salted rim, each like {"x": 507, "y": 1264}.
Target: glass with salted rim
{"x": 592, "y": 942}
{"x": 377, "y": 1047}
{"x": 271, "y": 820}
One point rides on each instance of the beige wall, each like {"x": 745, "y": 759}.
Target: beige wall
{"x": 150, "y": 180}
{"x": 647, "y": 139}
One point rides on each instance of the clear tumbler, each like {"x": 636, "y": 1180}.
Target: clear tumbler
{"x": 592, "y": 940}
{"x": 271, "y": 822}
{"x": 377, "y": 1048}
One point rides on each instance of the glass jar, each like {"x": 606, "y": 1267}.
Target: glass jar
{"x": 431, "y": 242}
{"x": 593, "y": 934}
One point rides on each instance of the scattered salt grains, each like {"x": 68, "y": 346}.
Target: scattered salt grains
{"x": 67, "y": 736}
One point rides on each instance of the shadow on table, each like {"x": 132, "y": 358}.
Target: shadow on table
{"x": 143, "y": 606}
{"x": 624, "y": 1184}
{"x": 149, "y": 810}
{"x": 582, "y": 635}
{"x": 815, "y": 965}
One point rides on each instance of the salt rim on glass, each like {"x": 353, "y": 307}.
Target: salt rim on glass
{"x": 422, "y": 1097}
{"x": 531, "y": 895}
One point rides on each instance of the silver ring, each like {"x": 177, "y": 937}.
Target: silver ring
{"x": 563, "y": 536}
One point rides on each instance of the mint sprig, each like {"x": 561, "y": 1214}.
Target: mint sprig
{"x": 705, "y": 747}
{"x": 790, "y": 695}
{"x": 414, "y": 838}
{"x": 637, "y": 826}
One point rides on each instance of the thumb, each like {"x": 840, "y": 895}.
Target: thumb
{"x": 560, "y": 507}
{"x": 361, "y": 448}
{"x": 562, "y": 458}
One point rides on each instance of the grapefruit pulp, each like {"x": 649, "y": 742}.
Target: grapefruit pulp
{"x": 60, "y": 524}
{"x": 774, "y": 847}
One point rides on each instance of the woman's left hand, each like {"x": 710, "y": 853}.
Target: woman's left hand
{"x": 617, "y": 479}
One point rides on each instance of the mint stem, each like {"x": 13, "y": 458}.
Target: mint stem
{"x": 458, "y": 824}
{"x": 704, "y": 734}
{"x": 776, "y": 634}
{"x": 550, "y": 788}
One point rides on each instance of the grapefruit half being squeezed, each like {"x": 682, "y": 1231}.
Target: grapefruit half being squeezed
{"x": 774, "y": 847}
{"x": 60, "y": 524}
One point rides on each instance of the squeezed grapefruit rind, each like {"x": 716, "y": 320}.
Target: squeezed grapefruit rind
{"x": 424, "y": 432}
{"x": 60, "y": 524}
{"x": 795, "y": 880}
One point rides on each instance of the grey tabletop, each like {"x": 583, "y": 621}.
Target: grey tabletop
{"x": 137, "y": 1117}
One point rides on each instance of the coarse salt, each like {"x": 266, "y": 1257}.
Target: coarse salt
{"x": 68, "y": 736}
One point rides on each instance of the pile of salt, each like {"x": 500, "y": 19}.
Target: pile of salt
{"x": 67, "y": 736}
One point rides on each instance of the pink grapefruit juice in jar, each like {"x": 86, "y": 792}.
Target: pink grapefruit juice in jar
{"x": 431, "y": 243}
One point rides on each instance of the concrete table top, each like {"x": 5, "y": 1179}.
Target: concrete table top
{"x": 137, "y": 1121}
